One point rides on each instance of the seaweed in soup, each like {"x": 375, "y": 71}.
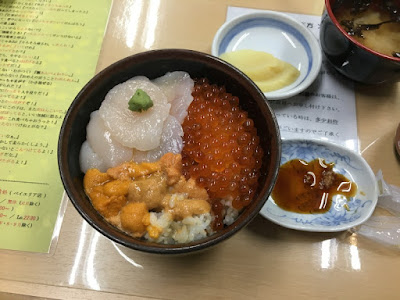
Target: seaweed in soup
{"x": 351, "y": 10}
{"x": 355, "y": 6}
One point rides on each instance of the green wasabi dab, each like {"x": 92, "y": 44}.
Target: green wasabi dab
{"x": 140, "y": 101}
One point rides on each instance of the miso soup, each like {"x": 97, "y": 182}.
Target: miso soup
{"x": 373, "y": 23}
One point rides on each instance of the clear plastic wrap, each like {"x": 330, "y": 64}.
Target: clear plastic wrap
{"x": 384, "y": 226}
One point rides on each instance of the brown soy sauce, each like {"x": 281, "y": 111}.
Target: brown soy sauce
{"x": 308, "y": 187}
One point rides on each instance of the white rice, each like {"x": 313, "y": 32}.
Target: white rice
{"x": 230, "y": 213}
{"x": 190, "y": 228}
{"x": 185, "y": 231}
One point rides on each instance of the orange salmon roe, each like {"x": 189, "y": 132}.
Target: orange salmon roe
{"x": 221, "y": 147}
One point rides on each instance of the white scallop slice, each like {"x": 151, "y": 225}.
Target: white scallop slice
{"x": 103, "y": 144}
{"x": 171, "y": 141}
{"x": 178, "y": 87}
{"x": 90, "y": 160}
{"x": 140, "y": 130}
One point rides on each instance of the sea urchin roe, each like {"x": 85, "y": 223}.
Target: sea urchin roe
{"x": 308, "y": 187}
{"x": 127, "y": 195}
{"x": 135, "y": 218}
{"x": 221, "y": 147}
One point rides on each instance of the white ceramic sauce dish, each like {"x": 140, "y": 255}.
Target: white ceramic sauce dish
{"x": 278, "y": 34}
{"x": 340, "y": 217}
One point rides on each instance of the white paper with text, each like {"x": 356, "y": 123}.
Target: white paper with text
{"x": 326, "y": 110}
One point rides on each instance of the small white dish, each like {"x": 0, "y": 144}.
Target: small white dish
{"x": 278, "y": 34}
{"x": 338, "y": 218}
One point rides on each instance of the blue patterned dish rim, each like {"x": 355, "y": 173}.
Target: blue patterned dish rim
{"x": 338, "y": 218}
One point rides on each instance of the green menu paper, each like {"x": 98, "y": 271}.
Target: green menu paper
{"x": 48, "y": 51}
